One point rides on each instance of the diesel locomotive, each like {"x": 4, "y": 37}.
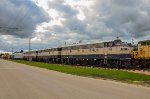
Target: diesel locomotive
{"x": 115, "y": 53}
{"x": 141, "y": 56}
{"x": 111, "y": 54}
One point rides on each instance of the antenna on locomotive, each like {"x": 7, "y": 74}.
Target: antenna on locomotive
{"x": 117, "y": 37}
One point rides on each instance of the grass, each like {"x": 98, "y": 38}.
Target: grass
{"x": 93, "y": 72}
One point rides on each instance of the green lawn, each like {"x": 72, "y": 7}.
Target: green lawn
{"x": 92, "y": 72}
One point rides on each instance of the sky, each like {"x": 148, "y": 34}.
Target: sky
{"x": 51, "y": 23}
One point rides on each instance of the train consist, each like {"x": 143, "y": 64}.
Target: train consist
{"x": 115, "y": 53}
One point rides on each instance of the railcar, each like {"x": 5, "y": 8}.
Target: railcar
{"x": 109, "y": 54}
{"x": 30, "y": 56}
{"x": 114, "y": 53}
{"x": 142, "y": 54}
{"x": 50, "y": 55}
{"x": 17, "y": 55}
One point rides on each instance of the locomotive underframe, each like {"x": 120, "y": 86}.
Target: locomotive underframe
{"x": 111, "y": 61}
{"x": 141, "y": 63}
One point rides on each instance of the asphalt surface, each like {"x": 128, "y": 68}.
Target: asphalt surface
{"x": 18, "y": 81}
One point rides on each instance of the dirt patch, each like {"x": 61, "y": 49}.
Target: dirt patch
{"x": 147, "y": 72}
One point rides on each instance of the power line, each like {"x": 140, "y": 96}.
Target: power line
{"x": 8, "y": 28}
{"x": 16, "y": 17}
{"x": 22, "y": 16}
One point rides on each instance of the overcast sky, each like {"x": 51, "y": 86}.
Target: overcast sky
{"x": 51, "y": 23}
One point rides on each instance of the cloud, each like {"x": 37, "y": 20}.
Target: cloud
{"x": 21, "y": 16}
{"x": 125, "y": 17}
{"x": 53, "y": 22}
{"x": 101, "y": 18}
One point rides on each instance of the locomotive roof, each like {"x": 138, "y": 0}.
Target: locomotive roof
{"x": 116, "y": 42}
{"x": 145, "y": 42}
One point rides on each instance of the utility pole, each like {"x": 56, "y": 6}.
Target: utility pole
{"x": 29, "y": 48}
{"x": 29, "y": 44}
{"x": 12, "y": 51}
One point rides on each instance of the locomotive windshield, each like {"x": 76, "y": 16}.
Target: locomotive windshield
{"x": 117, "y": 42}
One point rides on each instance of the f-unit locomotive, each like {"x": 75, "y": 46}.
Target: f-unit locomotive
{"x": 114, "y": 53}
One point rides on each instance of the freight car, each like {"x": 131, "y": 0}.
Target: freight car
{"x": 112, "y": 54}
{"x": 17, "y": 55}
{"x": 31, "y": 55}
{"x": 49, "y": 55}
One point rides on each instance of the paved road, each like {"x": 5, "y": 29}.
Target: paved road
{"x": 19, "y": 81}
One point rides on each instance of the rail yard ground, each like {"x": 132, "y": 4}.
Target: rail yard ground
{"x": 20, "y": 81}
{"x": 114, "y": 74}
{"x": 142, "y": 71}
